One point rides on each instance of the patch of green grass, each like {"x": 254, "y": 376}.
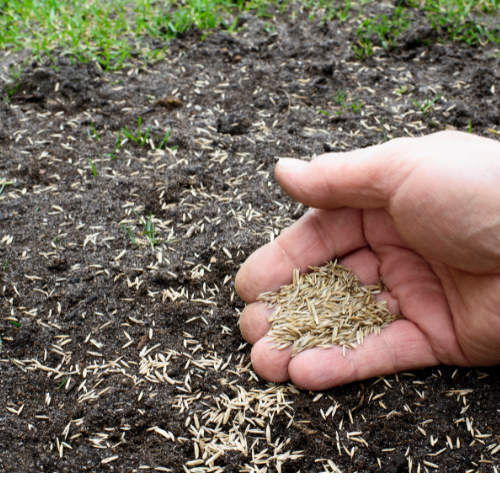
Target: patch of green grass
{"x": 340, "y": 99}
{"x": 121, "y": 33}
{"x": 14, "y": 323}
{"x": 15, "y": 75}
{"x": 381, "y": 29}
{"x": 269, "y": 28}
{"x": 113, "y": 32}
{"x": 364, "y": 48}
{"x": 470, "y": 21}
{"x": 327, "y": 10}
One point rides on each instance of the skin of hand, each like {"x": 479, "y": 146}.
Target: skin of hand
{"x": 421, "y": 215}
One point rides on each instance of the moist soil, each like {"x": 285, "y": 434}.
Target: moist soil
{"x": 118, "y": 356}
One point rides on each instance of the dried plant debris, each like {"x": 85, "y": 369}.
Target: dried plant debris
{"x": 169, "y": 102}
{"x": 324, "y": 308}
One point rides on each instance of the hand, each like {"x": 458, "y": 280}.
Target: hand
{"x": 423, "y": 216}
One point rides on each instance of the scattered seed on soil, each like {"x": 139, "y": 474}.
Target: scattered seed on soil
{"x": 248, "y": 97}
{"x": 325, "y": 308}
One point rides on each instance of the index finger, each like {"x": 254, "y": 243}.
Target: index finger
{"x": 317, "y": 237}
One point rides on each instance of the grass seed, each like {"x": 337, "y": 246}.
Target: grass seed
{"x": 325, "y": 308}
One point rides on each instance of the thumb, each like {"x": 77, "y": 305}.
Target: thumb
{"x": 364, "y": 178}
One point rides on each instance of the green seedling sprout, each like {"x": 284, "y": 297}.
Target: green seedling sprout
{"x": 129, "y": 233}
{"x": 340, "y": 98}
{"x": 4, "y": 183}
{"x": 356, "y": 107}
{"x": 117, "y": 146}
{"x": 364, "y": 49}
{"x": 16, "y": 78}
{"x": 118, "y": 141}
{"x": 401, "y": 90}
{"x": 11, "y": 91}
{"x": 139, "y": 139}
{"x": 165, "y": 139}
{"x": 62, "y": 383}
{"x": 427, "y": 105}
{"x": 94, "y": 171}
{"x": 150, "y": 231}
{"x": 383, "y": 130}
{"x": 95, "y": 131}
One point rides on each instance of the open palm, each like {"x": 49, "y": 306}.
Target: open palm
{"x": 423, "y": 216}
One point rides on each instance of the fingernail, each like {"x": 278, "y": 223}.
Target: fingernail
{"x": 289, "y": 163}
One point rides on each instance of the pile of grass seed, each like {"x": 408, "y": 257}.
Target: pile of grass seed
{"x": 325, "y": 308}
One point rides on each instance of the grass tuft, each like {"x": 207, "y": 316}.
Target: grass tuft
{"x": 426, "y": 106}
{"x": 139, "y": 139}
{"x": 150, "y": 231}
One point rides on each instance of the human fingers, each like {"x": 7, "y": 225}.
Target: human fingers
{"x": 277, "y": 365}
{"x": 317, "y": 237}
{"x": 270, "y": 362}
{"x": 364, "y": 178}
{"x": 422, "y": 300}
{"x": 400, "y": 347}
{"x": 253, "y": 321}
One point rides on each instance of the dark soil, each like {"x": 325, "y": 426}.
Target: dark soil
{"x": 242, "y": 101}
